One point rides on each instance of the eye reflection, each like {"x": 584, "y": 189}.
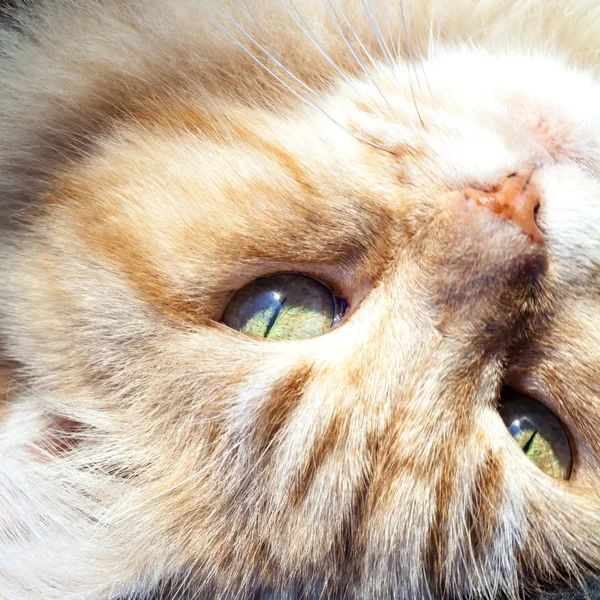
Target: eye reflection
{"x": 288, "y": 306}
{"x": 538, "y": 432}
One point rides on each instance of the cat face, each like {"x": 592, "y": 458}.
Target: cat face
{"x": 147, "y": 440}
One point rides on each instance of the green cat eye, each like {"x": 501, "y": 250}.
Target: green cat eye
{"x": 538, "y": 432}
{"x": 284, "y": 307}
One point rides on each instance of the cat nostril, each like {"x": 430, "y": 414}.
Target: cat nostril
{"x": 516, "y": 199}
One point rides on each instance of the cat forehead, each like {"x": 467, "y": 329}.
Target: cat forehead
{"x": 192, "y": 182}
{"x": 469, "y": 114}
{"x": 474, "y": 113}
{"x": 469, "y": 119}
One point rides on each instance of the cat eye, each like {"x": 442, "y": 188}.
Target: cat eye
{"x": 286, "y": 306}
{"x": 538, "y": 432}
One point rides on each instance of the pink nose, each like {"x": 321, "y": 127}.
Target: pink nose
{"x": 515, "y": 199}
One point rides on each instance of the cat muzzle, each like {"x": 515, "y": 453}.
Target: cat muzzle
{"x": 516, "y": 199}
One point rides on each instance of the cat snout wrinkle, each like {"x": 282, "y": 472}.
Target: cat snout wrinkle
{"x": 516, "y": 199}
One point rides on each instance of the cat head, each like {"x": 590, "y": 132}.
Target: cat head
{"x": 417, "y": 233}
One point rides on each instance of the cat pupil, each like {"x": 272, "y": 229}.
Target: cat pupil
{"x": 284, "y": 307}
{"x": 538, "y": 432}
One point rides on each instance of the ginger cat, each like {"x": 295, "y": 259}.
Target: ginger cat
{"x": 299, "y": 298}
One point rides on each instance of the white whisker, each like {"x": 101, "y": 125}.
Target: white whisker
{"x": 297, "y": 94}
{"x": 263, "y": 65}
{"x": 439, "y": 31}
{"x": 421, "y": 62}
{"x": 304, "y": 27}
{"x": 375, "y": 28}
{"x": 350, "y": 47}
{"x": 356, "y": 57}
{"x": 373, "y": 62}
{"x": 412, "y": 62}
{"x": 259, "y": 29}
{"x": 260, "y": 47}
{"x": 183, "y": 587}
{"x": 408, "y": 45}
{"x": 430, "y": 35}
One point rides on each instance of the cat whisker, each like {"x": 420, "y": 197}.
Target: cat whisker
{"x": 297, "y": 94}
{"x": 377, "y": 33}
{"x": 421, "y": 61}
{"x": 395, "y": 40}
{"x": 184, "y": 587}
{"x": 384, "y": 48}
{"x": 430, "y": 38}
{"x": 439, "y": 28}
{"x": 263, "y": 50}
{"x": 260, "y": 29}
{"x": 356, "y": 36}
{"x": 408, "y": 44}
{"x": 412, "y": 61}
{"x": 354, "y": 54}
{"x": 304, "y": 27}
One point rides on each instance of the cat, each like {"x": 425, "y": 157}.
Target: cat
{"x": 403, "y": 196}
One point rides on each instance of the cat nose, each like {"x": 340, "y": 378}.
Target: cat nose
{"x": 516, "y": 199}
